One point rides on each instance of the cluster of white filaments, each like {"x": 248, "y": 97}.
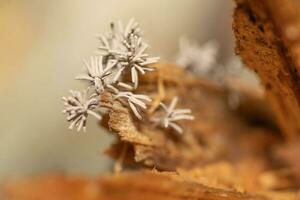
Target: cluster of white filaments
{"x": 202, "y": 61}
{"x": 134, "y": 101}
{"x": 97, "y": 73}
{"x": 78, "y": 106}
{"x": 122, "y": 51}
{"x": 170, "y": 116}
{"x": 127, "y": 48}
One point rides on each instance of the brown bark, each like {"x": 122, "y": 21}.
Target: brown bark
{"x": 267, "y": 38}
{"x": 133, "y": 186}
{"x": 149, "y": 186}
{"x": 216, "y": 133}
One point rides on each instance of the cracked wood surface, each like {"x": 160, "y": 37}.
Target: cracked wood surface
{"x": 268, "y": 40}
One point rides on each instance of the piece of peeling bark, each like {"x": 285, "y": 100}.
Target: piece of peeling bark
{"x": 246, "y": 176}
{"x": 132, "y": 185}
{"x": 216, "y": 133}
{"x": 268, "y": 40}
{"x": 167, "y": 186}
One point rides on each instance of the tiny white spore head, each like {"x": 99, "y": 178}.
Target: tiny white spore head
{"x": 78, "y": 106}
{"x": 127, "y": 47}
{"x": 97, "y": 73}
{"x": 135, "y": 101}
{"x": 170, "y": 116}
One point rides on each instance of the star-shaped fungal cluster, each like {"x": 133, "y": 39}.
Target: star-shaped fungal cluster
{"x": 125, "y": 45}
{"x": 97, "y": 73}
{"x": 122, "y": 51}
{"x": 134, "y": 101}
{"x": 202, "y": 60}
{"x": 170, "y": 115}
{"x": 78, "y": 106}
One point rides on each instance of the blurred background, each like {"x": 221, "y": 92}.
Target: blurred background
{"x": 42, "y": 44}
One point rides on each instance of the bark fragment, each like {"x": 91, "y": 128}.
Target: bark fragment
{"x": 268, "y": 41}
{"x": 216, "y": 133}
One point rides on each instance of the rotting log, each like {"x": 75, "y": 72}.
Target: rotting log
{"x": 268, "y": 40}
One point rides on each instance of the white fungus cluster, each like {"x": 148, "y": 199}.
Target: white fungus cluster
{"x": 125, "y": 45}
{"x": 78, "y": 107}
{"x": 121, "y": 51}
{"x": 170, "y": 115}
{"x": 202, "y": 61}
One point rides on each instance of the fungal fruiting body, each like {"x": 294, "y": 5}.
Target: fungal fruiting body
{"x": 170, "y": 116}
{"x": 97, "y": 73}
{"x": 134, "y": 101}
{"x": 122, "y": 51}
{"x": 78, "y": 106}
{"x": 126, "y": 46}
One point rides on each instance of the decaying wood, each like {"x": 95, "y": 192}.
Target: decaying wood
{"x": 216, "y": 133}
{"x": 165, "y": 186}
{"x": 268, "y": 40}
{"x": 141, "y": 185}
{"x": 133, "y": 186}
{"x": 226, "y": 153}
